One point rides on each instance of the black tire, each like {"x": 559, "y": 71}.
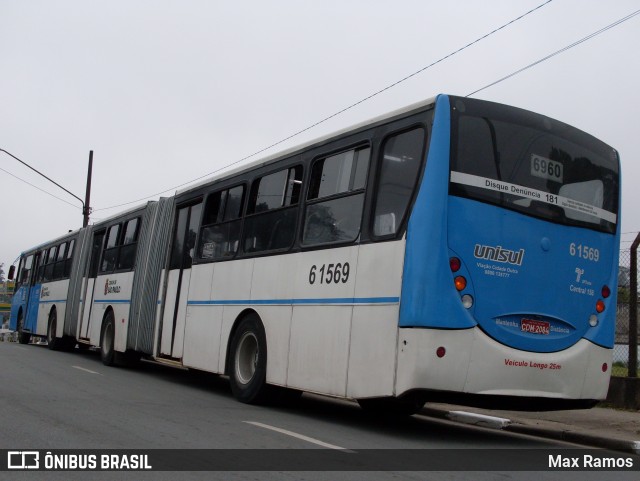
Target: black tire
{"x": 386, "y": 407}
{"x": 23, "y": 337}
{"x": 53, "y": 342}
{"x": 107, "y": 340}
{"x": 248, "y": 362}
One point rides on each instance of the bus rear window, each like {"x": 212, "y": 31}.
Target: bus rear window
{"x": 532, "y": 164}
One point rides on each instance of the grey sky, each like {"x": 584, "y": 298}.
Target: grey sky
{"x": 166, "y": 91}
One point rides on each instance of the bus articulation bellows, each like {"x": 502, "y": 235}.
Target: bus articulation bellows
{"x": 455, "y": 250}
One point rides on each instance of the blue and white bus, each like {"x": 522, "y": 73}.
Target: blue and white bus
{"x": 455, "y": 250}
{"x": 46, "y": 291}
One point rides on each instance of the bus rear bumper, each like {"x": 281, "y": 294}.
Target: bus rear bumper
{"x": 456, "y": 362}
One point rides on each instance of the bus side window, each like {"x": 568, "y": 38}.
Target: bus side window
{"x": 96, "y": 250}
{"x": 49, "y": 264}
{"x": 336, "y": 198}
{"x": 38, "y": 272}
{"x": 271, "y": 214}
{"x": 129, "y": 243}
{"x": 220, "y": 233}
{"x": 110, "y": 252}
{"x": 25, "y": 269}
{"x": 58, "y": 269}
{"x": 69, "y": 259}
{"x": 399, "y": 170}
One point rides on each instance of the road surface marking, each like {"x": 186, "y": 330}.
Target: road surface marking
{"x": 300, "y": 436}
{"x": 86, "y": 370}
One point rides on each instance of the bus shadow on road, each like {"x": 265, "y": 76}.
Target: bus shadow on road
{"x": 418, "y": 428}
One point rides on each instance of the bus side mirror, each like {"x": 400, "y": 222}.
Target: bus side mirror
{"x": 12, "y": 272}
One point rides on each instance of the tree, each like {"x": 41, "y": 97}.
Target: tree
{"x": 2, "y": 272}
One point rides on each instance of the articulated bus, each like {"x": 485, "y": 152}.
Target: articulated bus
{"x": 455, "y": 250}
{"x": 46, "y": 290}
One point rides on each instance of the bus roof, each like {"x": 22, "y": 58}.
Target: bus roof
{"x": 69, "y": 234}
{"x": 124, "y": 213}
{"x": 278, "y": 155}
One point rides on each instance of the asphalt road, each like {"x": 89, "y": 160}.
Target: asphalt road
{"x": 69, "y": 400}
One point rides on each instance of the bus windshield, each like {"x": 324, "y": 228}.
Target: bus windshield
{"x": 532, "y": 164}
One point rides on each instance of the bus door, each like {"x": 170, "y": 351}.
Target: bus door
{"x": 178, "y": 278}
{"x": 33, "y": 294}
{"x": 89, "y": 290}
{"x": 22, "y": 293}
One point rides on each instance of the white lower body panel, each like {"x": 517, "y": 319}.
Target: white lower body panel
{"x": 474, "y": 363}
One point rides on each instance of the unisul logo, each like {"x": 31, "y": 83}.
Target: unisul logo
{"x": 498, "y": 254}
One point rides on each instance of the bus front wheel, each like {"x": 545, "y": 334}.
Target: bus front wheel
{"x": 248, "y": 357}
{"x": 107, "y": 340}
{"x": 23, "y": 337}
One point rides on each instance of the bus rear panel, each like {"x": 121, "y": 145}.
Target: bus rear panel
{"x": 509, "y": 288}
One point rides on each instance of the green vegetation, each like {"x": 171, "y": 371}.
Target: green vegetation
{"x": 620, "y": 369}
{"x": 623, "y": 295}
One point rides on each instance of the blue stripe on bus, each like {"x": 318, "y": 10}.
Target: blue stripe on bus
{"x": 266, "y": 302}
{"x": 52, "y": 301}
{"x": 112, "y": 301}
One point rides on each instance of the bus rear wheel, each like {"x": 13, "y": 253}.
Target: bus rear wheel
{"x": 23, "y": 337}
{"x": 52, "y": 341}
{"x": 107, "y": 340}
{"x": 248, "y": 357}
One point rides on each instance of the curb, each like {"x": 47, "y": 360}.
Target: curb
{"x": 504, "y": 424}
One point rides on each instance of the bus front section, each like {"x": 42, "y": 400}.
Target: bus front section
{"x": 510, "y": 280}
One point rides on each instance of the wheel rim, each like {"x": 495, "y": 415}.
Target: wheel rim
{"x": 246, "y": 360}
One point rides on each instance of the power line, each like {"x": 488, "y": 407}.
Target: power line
{"x": 42, "y": 175}
{"x": 36, "y": 187}
{"x": 557, "y": 52}
{"x": 325, "y": 119}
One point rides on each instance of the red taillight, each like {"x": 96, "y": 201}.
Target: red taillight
{"x": 460, "y": 283}
{"x": 599, "y": 306}
{"x": 441, "y": 351}
{"x": 605, "y": 367}
{"x": 606, "y": 292}
{"x": 454, "y": 264}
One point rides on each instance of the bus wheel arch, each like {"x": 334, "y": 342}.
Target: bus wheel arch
{"x": 107, "y": 338}
{"x": 247, "y": 359}
{"x": 53, "y": 342}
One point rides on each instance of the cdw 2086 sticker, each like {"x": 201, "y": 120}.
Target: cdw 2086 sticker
{"x": 535, "y": 327}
